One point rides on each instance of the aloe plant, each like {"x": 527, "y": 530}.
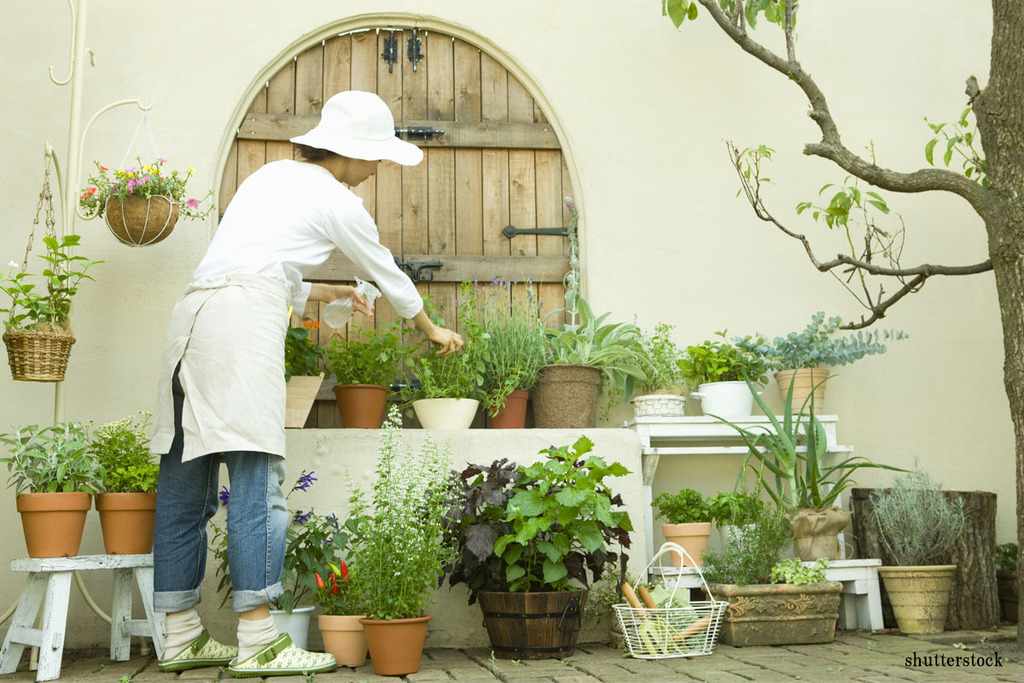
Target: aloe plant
{"x": 793, "y": 450}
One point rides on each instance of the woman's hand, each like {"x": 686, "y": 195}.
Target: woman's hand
{"x": 449, "y": 341}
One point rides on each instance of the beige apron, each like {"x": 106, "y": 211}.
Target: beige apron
{"x": 226, "y": 337}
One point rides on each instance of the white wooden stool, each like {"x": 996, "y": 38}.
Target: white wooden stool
{"x": 51, "y": 577}
{"x": 861, "y": 603}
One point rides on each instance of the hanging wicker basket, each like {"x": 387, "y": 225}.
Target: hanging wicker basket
{"x": 141, "y": 221}
{"x": 38, "y": 355}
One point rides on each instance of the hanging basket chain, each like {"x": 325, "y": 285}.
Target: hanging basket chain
{"x": 45, "y": 203}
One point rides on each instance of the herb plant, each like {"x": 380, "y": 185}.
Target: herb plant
{"x": 1006, "y": 556}
{"x": 660, "y": 360}
{"x": 749, "y": 558}
{"x": 338, "y": 593}
{"x": 455, "y": 375}
{"x": 734, "y": 508}
{"x": 516, "y": 334}
{"x": 302, "y": 356}
{"x": 122, "y": 448}
{"x": 686, "y": 506}
{"x": 720, "y": 361}
{"x": 312, "y": 541}
{"x": 51, "y": 459}
{"x": 62, "y": 274}
{"x": 613, "y": 347}
{"x": 816, "y": 345}
{"x": 374, "y": 357}
{"x": 540, "y": 527}
{"x": 145, "y": 180}
{"x": 916, "y": 522}
{"x": 793, "y": 572}
{"x": 398, "y": 541}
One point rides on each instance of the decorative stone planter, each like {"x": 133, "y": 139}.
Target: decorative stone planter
{"x": 778, "y": 614}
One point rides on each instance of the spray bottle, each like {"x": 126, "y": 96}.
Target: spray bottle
{"x": 337, "y": 313}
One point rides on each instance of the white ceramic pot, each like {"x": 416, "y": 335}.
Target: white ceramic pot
{"x": 446, "y": 413}
{"x": 725, "y": 399}
{"x": 295, "y": 624}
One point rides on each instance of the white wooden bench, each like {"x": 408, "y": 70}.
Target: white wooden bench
{"x": 861, "y": 603}
{"x": 50, "y": 577}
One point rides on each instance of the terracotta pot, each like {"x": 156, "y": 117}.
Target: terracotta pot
{"x": 53, "y": 522}
{"x": 127, "y": 520}
{"x": 513, "y": 414}
{"x": 446, "y": 413}
{"x": 919, "y": 596}
{"x": 300, "y": 394}
{"x": 396, "y": 645}
{"x": 344, "y": 638}
{"x": 542, "y": 625}
{"x": 139, "y": 221}
{"x": 778, "y": 614}
{"x": 694, "y": 539}
{"x": 803, "y": 381}
{"x": 816, "y": 533}
{"x": 361, "y": 406}
{"x": 565, "y": 397}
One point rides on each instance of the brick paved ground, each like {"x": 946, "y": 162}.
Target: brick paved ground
{"x": 854, "y": 656}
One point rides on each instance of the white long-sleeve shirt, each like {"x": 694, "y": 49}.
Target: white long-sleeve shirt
{"x": 286, "y": 219}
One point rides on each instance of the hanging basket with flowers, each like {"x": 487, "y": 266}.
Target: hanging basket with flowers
{"x": 141, "y": 204}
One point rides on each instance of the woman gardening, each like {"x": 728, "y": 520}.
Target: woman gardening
{"x": 222, "y": 389}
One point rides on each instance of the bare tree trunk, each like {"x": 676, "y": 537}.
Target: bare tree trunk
{"x": 1000, "y": 115}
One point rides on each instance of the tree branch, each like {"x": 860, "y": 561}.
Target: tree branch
{"x": 831, "y": 147}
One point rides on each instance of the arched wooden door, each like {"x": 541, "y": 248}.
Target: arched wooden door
{"x": 497, "y": 162}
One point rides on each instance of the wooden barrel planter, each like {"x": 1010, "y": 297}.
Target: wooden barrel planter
{"x": 533, "y": 625}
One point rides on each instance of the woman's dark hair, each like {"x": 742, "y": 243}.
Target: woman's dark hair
{"x": 310, "y": 153}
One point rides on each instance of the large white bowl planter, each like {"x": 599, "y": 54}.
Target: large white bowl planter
{"x": 445, "y": 413}
{"x": 725, "y": 399}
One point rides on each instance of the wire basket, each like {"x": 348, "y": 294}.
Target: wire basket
{"x": 662, "y": 633}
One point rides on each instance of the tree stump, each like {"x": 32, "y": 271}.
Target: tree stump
{"x": 974, "y": 599}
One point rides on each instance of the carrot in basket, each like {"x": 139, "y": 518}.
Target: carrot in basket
{"x": 645, "y": 595}
{"x": 692, "y": 629}
{"x": 627, "y": 592}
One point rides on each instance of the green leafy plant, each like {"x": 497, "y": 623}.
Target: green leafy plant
{"x": 795, "y": 573}
{"x": 916, "y": 522}
{"x": 686, "y": 506}
{"x": 748, "y": 558}
{"x": 51, "y": 459}
{"x": 734, "y": 508}
{"x": 960, "y": 139}
{"x": 516, "y": 334}
{"x": 122, "y": 448}
{"x": 373, "y": 357}
{"x": 792, "y": 450}
{"x": 659, "y": 357}
{"x": 312, "y": 542}
{"x": 720, "y": 361}
{"x": 145, "y": 180}
{"x": 540, "y": 527}
{"x": 613, "y": 347}
{"x": 339, "y": 592}
{"x": 455, "y": 375}
{"x": 1006, "y": 556}
{"x": 398, "y": 540}
{"x": 62, "y": 274}
{"x": 302, "y": 356}
{"x": 816, "y": 345}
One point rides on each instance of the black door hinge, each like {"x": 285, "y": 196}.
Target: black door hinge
{"x": 414, "y": 49}
{"x": 418, "y": 271}
{"x": 511, "y": 231}
{"x": 390, "y": 53}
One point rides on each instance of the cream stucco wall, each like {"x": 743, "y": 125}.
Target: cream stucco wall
{"x": 643, "y": 110}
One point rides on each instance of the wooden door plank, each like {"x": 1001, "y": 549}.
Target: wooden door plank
{"x": 468, "y": 180}
{"x": 415, "y": 192}
{"x": 390, "y": 190}
{"x": 494, "y": 163}
{"x": 337, "y": 67}
{"x": 364, "y": 77}
{"x": 549, "y": 215}
{"x": 440, "y": 65}
{"x": 522, "y": 200}
{"x": 252, "y": 154}
{"x": 281, "y": 100}
{"x": 458, "y": 267}
{"x": 487, "y": 134}
{"x": 229, "y": 180}
{"x": 309, "y": 82}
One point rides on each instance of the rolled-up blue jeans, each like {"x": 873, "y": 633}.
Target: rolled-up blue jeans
{"x": 257, "y": 522}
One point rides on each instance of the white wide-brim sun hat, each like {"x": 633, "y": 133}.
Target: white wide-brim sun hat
{"x": 359, "y": 125}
